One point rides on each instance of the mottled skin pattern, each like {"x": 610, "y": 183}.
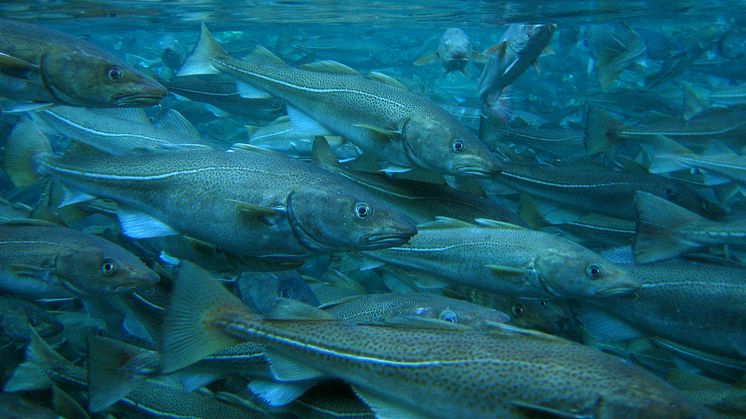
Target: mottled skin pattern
{"x": 457, "y": 373}
{"x": 377, "y": 307}
{"x": 600, "y": 191}
{"x": 343, "y": 102}
{"x": 554, "y": 267}
{"x": 196, "y": 192}
{"x": 701, "y": 306}
{"x": 66, "y": 260}
{"x": 69, "y": 71}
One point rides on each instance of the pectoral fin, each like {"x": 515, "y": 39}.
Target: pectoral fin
{"x": 385, "y": 409}
{"x": 278, "y": 394}
{"x": 16, "y": 67}
{"x": 36, "y": 272}
{"x": 382, "y": 132}
{"x": 508, "y": 272}
{"x": 427, "y": 59}
{"x": 533, "y": 409}
{"x": 256, "y": 211}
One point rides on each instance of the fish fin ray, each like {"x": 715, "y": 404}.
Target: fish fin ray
{"x": 287, "y": 369}
{"x": 385, "y": 409}
{"x": 427, "y": 59}
{"x": 330, "y": 66}
{"x": 304, "y": 124}
{"x": 139, "y": 225}
{"x": 279, "y": 394}
{"x": 199, "y": 62}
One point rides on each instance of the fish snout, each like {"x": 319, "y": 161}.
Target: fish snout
{"x": 396, "y": 235}
{"x": 480, "y": 166}
{"x": 147, "y": 93}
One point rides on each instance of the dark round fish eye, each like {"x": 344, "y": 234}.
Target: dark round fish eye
{"x": 285, "y": 292}
{"x": 706, "y": 205}
{"x": 108, "y": 267}
{"x": 362, "y": 210}
{"x": 517, "y": 309}
{"x": 458, "y": 146}
{"x": 114, "y": 73}
{"x": 594, "y": 271}
{"x": 449, "y": 316}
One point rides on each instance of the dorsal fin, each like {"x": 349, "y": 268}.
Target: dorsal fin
{"x": 324, "y": 156}
{"x": 330, "y": 66}
{"x": 383, "y": 78}
{"x": 261, "y": 55}
{"x": 484, "y": 222}
{"x": 172, "y": 119}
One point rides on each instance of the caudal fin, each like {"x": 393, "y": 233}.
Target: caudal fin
{"x": 24, "y": 142}
{"x": 114, "y": 369}
{"x": 599, "y": 125}
{"x": 606, "y": 72}
{"x": 201, "y": 60}
{"x": 657, "y": 223}
{"x": 189, "y": 332}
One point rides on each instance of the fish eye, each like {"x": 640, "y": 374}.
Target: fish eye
{"x": 109, "y": 267}
{"x": 114, "y": 73}
{"x": 593, "y": 271}
{"x": 458, "y": 146}
{"x": 33, "y": 322}
{"x": 670, "y": 193}
{"x": 284, "y": 292}
{"x": 449, "y": 316}
{"x": 362, "y": 210}
{"x": 706, "y": 206}
{"x": 517, "y": 309}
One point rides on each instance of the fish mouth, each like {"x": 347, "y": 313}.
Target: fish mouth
{"x": 379, "y": 241}
{"x": 613, "y": 292}
{"x": 139, "y": 99}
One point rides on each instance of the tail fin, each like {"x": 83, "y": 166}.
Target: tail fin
{"x": 24, "y": 142}
{"x": 200, "y": 62}
{"x": 598, "y": 130}
{"x": 606, "y": 71}
{"x": 693, "y": 102}
{"x": 114, "y": 369}
{"x": 657, "y": 223}
{"x": 34, "y": 372}
{"x": 189, "y": 333}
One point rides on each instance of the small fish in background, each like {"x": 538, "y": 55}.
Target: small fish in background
{"x": 455, "y": 51}
{"x": 519, "y": 48}
{"x": 18, "y": 316}
{"x": 261, "y": 291}
{"x": 615, "y": 57}
{"x": 41, "y": 67}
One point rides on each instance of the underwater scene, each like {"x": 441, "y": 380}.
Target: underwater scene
{"x": 372, "y": 209}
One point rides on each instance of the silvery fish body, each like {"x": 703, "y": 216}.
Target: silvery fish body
{"x": 247, "y": 201}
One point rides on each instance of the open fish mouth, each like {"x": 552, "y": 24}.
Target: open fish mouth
{"x": 136, "y": 99}
{"x": 613, "y": 292}
{"x": 375, "y": 241}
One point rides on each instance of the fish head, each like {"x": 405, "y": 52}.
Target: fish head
{"x": 438, "y": 145}
{"x": 83, "y": 78}
{"x": 579, "y": 273}
{"x": 454, "y": 49}
{"x": 541, "y": 33}
{"x": 463, "y": 313}
{"x": 103, "y": 270}
{"x": 346, "y": 219}
{"x": 688, "y": 198}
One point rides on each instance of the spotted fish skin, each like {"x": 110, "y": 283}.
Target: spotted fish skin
{"x": 247, "y": 201}
{"x": 389, "y": 122}
{"x": 433, "y": 371}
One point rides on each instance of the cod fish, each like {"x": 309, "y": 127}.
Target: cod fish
{"x": 391, "y": 124}
{"x": 440, "y": 370}
{"x": 247, "y": 201}
{"x": 454, "y": 52}
{"x": 47, "y": 67}
{"x": 41, "y": 261}
{"x": 519, "y": 48}
{"x": 508, "y": 259}
{"x": 665, "y": 230}
{"x": 118, "y": 131}
{"x": 697, "y": 305}
{"x": 17, "y": 317}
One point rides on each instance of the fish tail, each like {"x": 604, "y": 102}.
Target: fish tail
{"x": 190, "y": 332}
{"x": 110, "y": 379}
{"x": 693, "y": 101}
{"x": 33, "y": 373}
{"x": 657, "y": 222}
{"x": 24, "y": 143}
{"x": 606, "y": 72}
{"x": 206, "y": 50}
{"x": 598, "y": 130}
